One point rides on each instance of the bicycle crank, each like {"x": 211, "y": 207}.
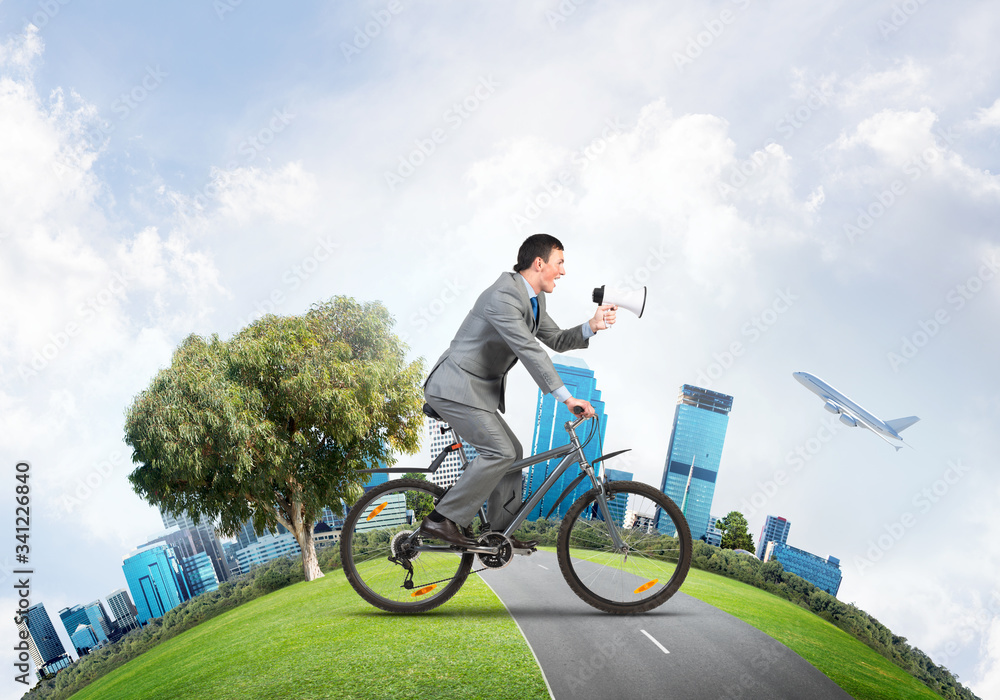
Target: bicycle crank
{"x": 504, "y": 550}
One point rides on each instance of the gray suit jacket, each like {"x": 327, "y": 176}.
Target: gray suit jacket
{"x": 500, "y": 330}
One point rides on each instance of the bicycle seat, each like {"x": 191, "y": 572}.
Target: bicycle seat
{"x": 432, "y": 413}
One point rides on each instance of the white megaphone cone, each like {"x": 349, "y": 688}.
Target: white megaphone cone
{"x": 632, "y": 299}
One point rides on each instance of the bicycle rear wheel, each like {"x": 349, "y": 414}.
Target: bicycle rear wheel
{"x": 654, "y": 562}
{"x": 378, "y": 552}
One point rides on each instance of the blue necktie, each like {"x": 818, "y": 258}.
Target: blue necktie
{"x": 534, "y": 307}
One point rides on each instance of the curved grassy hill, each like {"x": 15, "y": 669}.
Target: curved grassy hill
{"x": 855, "y": 667}
{"x": 320, "y": 640}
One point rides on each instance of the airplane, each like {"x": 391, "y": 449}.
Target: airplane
{"x": 852, "y": 414}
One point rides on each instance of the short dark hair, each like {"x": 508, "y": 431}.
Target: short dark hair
{"x": 540, "y": 245}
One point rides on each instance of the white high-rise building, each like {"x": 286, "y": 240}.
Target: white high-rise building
{"x": 123, "y": 610}
{"x": 448, "y": 473}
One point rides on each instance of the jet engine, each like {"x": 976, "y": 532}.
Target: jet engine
{"x": 848, "y": 421}
{"x": 831, "y": 407}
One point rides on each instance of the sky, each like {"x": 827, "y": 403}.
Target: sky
{"x": 800, "y": 187}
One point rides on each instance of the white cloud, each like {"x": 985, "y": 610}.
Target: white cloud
{"x": 987, "y": 685}
{"x": 904, "y": 83}
{"x": 910, "y": 148}
{"x": 987, "y": 117}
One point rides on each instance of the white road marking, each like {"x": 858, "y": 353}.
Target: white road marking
{"x": 544, "y": 567}
{"x": 662, "y": 648}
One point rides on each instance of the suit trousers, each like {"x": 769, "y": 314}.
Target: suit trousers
{"x": 488, "y": 478}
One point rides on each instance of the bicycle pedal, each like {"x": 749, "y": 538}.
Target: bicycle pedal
{"x": 524, "y": 552}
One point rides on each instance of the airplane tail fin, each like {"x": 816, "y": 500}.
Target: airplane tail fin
{"x": 901, "y": 424}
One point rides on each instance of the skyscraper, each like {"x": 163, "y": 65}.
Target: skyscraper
{"x": 549, "y": 419}
{"x": 693, "y": 457}
{"x": 156, "y": 581}
{"x": 247, "y": 535}
{"x": 44, "y": 646}
{"x": 204, "y": 538}
{"x": 200, "y": 574}
{"x": 73, "y": 617}
{"x": 775, "y": 530}
{"x": 93, "y": 614}
{"x": 123, "y": 610}
{"x": 449, "y": 471}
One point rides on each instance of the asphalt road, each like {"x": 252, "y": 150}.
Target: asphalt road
{"x": 683, "y": 650}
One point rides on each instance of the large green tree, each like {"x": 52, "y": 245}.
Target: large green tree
{"x": 735, "y": 534}
{"x": 274, "y": 424}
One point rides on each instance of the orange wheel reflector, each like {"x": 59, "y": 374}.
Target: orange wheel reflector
{"x": 646, "y": 586}
{"x": 377, "y": 510}
{"x": 423, "y": 591}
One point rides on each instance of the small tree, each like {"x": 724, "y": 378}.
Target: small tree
{"x": 735, "y": 534}
{"x": 421, "y": 504}
{"x": 274, "y": 424}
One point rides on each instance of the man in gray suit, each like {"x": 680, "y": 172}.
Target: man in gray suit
{"x": 466, "y": 385}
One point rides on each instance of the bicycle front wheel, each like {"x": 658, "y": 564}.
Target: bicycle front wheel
{"x": 642, "y": 574}
{"x": 380, "y": 552}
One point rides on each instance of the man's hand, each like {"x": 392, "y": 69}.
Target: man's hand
{"x": 603, "y": 318}
{"x": 588, "y": 410}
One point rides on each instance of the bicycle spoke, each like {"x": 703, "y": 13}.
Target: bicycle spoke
{"x": 642, "y": 574}
{"x": 377, "y": 571}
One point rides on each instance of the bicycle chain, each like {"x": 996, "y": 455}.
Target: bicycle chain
{"x": 452, "y": 578}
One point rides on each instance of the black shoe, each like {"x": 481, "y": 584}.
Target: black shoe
{"x": 518, "y": 544}
{"x": 446, "y": 531}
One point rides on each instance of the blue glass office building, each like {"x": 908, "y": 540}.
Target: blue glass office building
{"x": 92, "y": 615}
{"x": 73, "y": 617}
{"x": 549, "y": 433}
{"x": 200, "y": 574}
{"x": 84, "y": 639}
{"x": 156, "y": 581}
{"x": 825, "y": 574}
{"x": 693, "y": 456}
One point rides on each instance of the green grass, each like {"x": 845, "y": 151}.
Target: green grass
{"x": 854, "y": 666}
{"x": 320, "y": 640}
{"x": 857, "y": 668}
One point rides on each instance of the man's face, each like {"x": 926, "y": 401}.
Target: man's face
{"x": 552, "y": 270}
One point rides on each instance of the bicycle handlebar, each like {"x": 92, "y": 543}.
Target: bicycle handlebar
{"x": 578, "y": 410}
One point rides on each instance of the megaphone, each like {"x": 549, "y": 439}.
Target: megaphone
{"x": 632, "y": 299}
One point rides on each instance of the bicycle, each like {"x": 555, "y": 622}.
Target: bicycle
{"x": 613, "y": 568}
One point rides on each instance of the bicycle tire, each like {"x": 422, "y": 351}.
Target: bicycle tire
{"x": 644, "y": 577}
{"x": 365, "y": 551}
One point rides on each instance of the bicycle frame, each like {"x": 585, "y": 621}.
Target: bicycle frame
{"x": 571, "y": 453}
